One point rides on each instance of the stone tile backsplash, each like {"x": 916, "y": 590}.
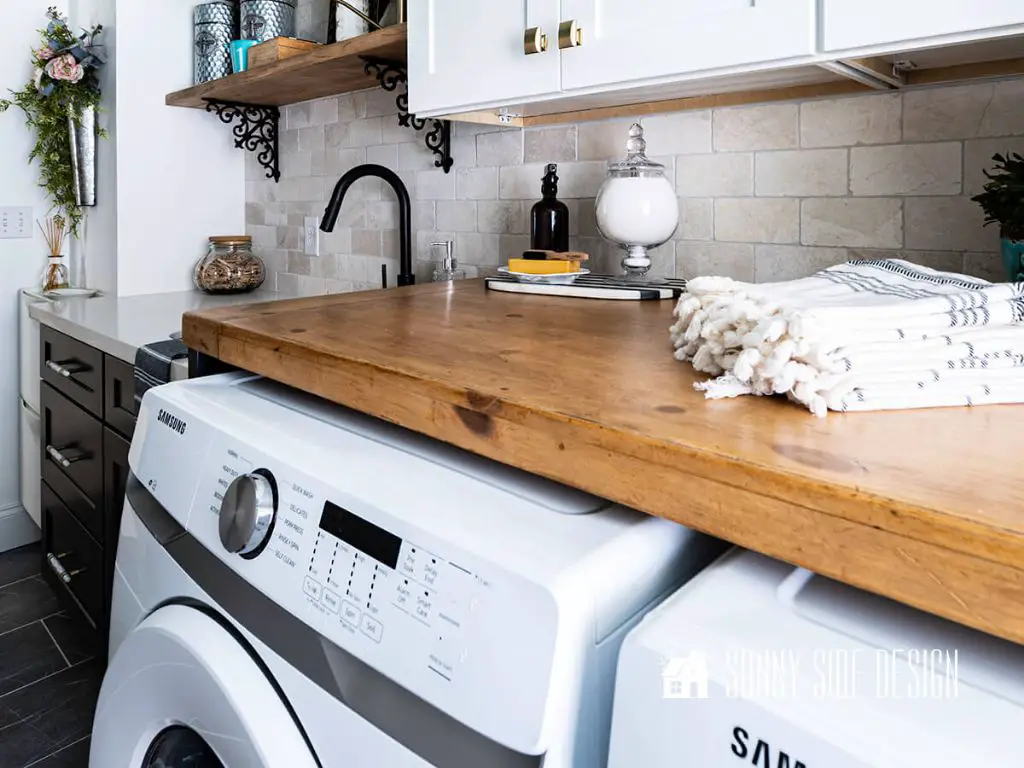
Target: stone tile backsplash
{"x": 766, "y": 192}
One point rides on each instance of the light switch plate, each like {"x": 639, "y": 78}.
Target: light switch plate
{"x": 15, "y": 222}
{"x": 311, "y": 236}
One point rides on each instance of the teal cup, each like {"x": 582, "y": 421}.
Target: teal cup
{"x": 240, "y": 54}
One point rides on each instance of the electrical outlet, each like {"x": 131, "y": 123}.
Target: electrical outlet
{"x": 15, "y": 222}
{"x": 311, "y": 236}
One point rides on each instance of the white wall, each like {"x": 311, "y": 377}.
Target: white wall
{"x": 168, "y": 178}
{"x": 179, "y": 177}
{"x": 21, "y": 261}
{"x": 98, "y": 249}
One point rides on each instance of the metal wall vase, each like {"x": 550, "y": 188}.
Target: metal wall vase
{"x": 83, "y": 156}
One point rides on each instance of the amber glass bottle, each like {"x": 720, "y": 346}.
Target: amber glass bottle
{"x": 549, "y": 219}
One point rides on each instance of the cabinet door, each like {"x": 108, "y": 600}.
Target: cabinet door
{"x": 119, "y": 395}
{"x": 624, "y": 41}
{"x": 465, "y": 55}
{"x": 115, "y": 478}
{"x": 862, "y": 23}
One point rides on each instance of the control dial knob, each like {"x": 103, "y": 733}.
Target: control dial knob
{"x": 247, "y": 513}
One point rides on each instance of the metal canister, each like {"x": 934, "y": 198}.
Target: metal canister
{"x": 215, "y": 25}
{"x": 267, "y": 19}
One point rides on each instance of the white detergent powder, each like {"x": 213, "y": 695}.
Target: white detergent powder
{"x": 638, "y": 210}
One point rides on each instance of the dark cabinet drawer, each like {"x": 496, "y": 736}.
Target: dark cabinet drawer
{"x": 72, "y": 368}
{"x": 72, "y": 560}
{"x": 72, "y": 457}
{"x": 119, "y": 395}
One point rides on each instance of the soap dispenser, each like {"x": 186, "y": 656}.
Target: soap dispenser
{"x": 446, "y": 268}
{"x": 549, "y": 219}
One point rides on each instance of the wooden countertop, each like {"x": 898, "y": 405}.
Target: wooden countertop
{"x": 926, "y": 507}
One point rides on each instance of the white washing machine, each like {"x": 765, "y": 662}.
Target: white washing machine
{"x": 300, "y": 585}
{"x": 758, "y": 663}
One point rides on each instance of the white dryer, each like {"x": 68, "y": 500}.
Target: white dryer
{"x": 300, "y": 585}
{"x": 758, "y": 663}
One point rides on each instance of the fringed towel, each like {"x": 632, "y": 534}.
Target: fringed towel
{"x": 866, "y": 335}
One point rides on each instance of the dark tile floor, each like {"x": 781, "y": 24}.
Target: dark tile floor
{"x": 49, "y": 679}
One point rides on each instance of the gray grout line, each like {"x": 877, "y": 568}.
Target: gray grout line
{"x": 29, "y": 624}
{"x": 57, "y": 752}
{"x": 34, "y": 682}
{"x": 18, "y": 581}
{"x": 54, "y": 639}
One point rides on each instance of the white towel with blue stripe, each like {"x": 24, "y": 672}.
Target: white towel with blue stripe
{"x": 866, "y": 335}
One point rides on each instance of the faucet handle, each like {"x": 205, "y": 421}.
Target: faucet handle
{"x": 447, "y": 260}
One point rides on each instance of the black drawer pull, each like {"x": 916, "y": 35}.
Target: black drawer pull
{"x": 65, "y": 457}
{"x": 68, "y": 368}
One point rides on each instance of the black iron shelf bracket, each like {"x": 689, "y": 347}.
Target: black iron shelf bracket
{"x": 256, "y": 130}
{"x": 392, "y": 74}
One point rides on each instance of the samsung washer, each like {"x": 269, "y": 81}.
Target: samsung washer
{"x": 300, "y": 585}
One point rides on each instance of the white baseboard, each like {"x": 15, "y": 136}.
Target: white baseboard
{"x": 16, "y": 527}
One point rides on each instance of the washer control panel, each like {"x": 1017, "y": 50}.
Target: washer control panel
{"x": 370, "y": 581}
{"x": 434, "y": 618}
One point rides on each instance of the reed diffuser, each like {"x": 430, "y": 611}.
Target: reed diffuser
{"x": 55, "y": 232}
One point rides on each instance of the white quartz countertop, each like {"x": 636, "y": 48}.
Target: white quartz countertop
{"x": 120, "y": 325}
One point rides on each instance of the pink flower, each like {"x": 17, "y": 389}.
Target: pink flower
{"x": 44, "y": 54}
{"x": 65, "y": 68}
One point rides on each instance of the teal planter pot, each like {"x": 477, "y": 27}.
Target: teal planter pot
{"x": 1013, "y": 259}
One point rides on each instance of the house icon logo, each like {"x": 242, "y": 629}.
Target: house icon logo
{"x": 685, "y": 677}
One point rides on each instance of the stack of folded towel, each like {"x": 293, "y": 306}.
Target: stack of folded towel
{"x": 861, "y": 336}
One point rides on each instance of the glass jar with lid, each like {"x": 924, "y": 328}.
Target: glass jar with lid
{"x": 637, "y": 205}
{"x": 230, "y": 266}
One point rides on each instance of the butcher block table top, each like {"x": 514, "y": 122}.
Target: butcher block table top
{"x": 922, "y": 506}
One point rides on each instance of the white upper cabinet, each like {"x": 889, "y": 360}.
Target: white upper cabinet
{"x": 851, "y": 24}
{"x": 466, "y": 54}
{"x": 623, "y": 41}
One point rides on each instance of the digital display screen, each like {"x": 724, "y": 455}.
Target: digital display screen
{"x": 368, "y": 538}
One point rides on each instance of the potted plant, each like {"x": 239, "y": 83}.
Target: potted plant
{"x": 60, "y": 104}
{"x": 1003, "y": 203}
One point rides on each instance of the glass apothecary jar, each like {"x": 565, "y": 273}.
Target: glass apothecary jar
{"x": 637, "y": 206}
{"x": 230, "y": 266}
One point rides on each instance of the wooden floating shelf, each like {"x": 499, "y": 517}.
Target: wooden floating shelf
{"x": 325, "y": 71}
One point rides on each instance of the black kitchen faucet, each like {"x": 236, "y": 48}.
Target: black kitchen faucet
{"x": 405, "y": 273}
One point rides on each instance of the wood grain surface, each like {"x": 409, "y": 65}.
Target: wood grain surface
{"x": 324, "y": 71}
{"x": 923, "y": 506}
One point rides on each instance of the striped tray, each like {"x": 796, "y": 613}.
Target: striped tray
{"x": 594, "y": 287}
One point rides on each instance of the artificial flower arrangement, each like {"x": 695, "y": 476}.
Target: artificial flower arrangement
{"x": 64, "y": 84}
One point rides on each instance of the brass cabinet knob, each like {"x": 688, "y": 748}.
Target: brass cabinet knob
{"x": 534, "y": 41}
{"x": 570, "y": 34}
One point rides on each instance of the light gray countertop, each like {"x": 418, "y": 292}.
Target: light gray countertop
{"x": 120, "y": 325}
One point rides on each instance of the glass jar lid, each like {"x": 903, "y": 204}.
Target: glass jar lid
{"x": 636, "y": 162}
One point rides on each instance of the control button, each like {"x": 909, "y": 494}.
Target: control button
{"x": 430, "y": 573}
{"x": 372, "y": 628}
{"x": 444, "y": 656}
{"x": 311, "y": 588}
{"x": 423, "y": 605}
{"x": 331, "y": 600}
{"x": 350, "y": 613}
